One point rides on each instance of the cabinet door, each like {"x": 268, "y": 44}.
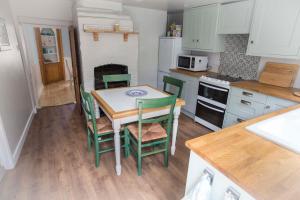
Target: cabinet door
{"x": 207, "y": 25}
{"x": 274, "y": 104}
{"x": 275, "y": 29}
{"x": 189, "y": 28}
{"x": 235, "y": 17}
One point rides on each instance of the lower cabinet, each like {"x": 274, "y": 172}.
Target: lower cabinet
{"x": 220, "y": 184}
{"x": 189, "y": 93}
{"x": 244, "y": 105}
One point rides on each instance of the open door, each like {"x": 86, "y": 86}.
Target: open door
{"x": 50, "y": 52}
{"x": 75, "y": 66}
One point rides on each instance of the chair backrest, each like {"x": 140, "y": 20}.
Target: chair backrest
{"x": 175, "y": 82}
{"x": 88, "y": 107}
{"x": 143, "y": 104}
{"x": 116, "y": 78}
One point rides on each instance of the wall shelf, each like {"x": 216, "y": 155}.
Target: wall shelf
{"x": 97, "y": 32}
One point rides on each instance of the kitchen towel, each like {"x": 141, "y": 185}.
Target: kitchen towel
{"x": 202, "y": 190}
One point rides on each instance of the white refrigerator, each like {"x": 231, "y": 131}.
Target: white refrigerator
{"x": 169, "y": 49}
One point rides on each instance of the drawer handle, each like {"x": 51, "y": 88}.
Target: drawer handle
{"x": 209, "y": 175}
{"x": 232, "y": 194}
{"x": 240, "y": 120}
{"x": 247, "y": 94}
{"x": 247, "y": 103}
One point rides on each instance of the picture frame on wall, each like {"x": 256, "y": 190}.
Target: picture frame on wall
{"x": 4, "y": 39}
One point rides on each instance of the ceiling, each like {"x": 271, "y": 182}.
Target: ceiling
{"x": 170, "y": 5}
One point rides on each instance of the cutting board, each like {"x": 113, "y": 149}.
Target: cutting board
{"x": 279, "y": 74}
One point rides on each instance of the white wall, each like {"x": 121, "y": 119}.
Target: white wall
{"x": 110, "y": 48}
{"x": 151, "y": 24}
{"x": 48, "y": 9}
{"x": 16, "y": 108}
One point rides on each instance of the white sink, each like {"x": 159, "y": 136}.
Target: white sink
{"x": 283, "y": 130}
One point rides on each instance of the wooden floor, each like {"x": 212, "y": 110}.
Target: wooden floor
{"x": 55, "y": 164}
{"x": 56, "y": 94}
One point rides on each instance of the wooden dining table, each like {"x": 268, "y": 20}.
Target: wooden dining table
{"x": 122, "y": 109}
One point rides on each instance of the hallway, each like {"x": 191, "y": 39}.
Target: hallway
{"x": 56, "y": 94}
{"x": 55, "y": 164}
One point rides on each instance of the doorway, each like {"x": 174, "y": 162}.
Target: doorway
{"x": 53, "y": 69}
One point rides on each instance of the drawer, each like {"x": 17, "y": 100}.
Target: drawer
{"x": 248, "y": 95}
{"x": 241, "y": 106}
{"x": 231, "y": 119}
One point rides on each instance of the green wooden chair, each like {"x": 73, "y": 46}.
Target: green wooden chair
{"x": 116, "y": 78}
{"x": 150, "y": 132}
{"x": 99, "y": 130}
{"x": 174, "y": 82}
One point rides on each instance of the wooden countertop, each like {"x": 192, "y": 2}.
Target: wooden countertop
{"x": 262, "y": 168}
{"x": 189, "y": 73}
{"x": 280, "y": 92}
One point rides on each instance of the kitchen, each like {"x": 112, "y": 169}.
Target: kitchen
{"x": 231, "y": 133}
{"x": 242, "y": 91}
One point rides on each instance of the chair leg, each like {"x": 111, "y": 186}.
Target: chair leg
{"x": 139, "y": 160}
{"x": 166, "y": 155}
{"x": 97, "y": 154}
{"x": 127, "y": 143}
{"x": 89, "y": 142}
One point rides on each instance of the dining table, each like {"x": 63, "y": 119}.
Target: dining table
{"x": 121, "y": 109}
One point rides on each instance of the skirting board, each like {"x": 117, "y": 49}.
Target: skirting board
{"x": 21, "y": 142}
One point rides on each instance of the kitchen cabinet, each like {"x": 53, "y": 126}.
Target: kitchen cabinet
{"x": 189, "y": 93}
{"x": 245, "y": 104}
{"x": 200, "y": 29}
{"x": 220, "y": 184}
{"x": 275, "y": 29}
{"x": 235, "y": 17}
{"x": 274, "y": 104}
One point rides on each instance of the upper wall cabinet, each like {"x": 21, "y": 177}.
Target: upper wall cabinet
{"x": 200, "y": 29}
{"x": 235, "y": 17}
{"x": 275, "y": 29}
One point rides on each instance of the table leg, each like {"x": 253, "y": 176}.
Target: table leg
{"x": 96, "y": 108}
{"x": 117, "y": 141}
{"x": 175, "y": 130}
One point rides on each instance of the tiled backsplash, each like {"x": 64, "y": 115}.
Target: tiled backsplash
{"x": 234, "y": 61}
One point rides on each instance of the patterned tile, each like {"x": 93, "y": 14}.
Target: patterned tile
{"x": 234, "y": 61}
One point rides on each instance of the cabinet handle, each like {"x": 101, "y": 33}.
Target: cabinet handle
{"x": 240, "y": 120}
{"x": 197, "y": 40}
{"x": 232, "y": 194}
{"x": 248, "y": 94}
{"x": 267, "y": 107}
{"x": 247, "y": 103}
{"x": 252, "y": 42}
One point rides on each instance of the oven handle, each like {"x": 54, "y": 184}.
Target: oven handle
{"x": 220, "y": 111}
{"x": 212, "y": 87}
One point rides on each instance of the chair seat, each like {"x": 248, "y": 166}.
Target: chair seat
{"x": 103, "y": 125}
{"x": 149, "y": 131}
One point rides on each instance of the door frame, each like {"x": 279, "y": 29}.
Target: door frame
{"x": 26, "y": 51}
{"x": 60, "y": 63}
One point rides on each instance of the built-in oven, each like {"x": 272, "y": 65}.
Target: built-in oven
{"x": 211, "y": 102}
{"x": 214, "y": 94}
{"x": 209, "y": 115}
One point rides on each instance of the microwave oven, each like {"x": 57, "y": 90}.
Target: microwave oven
{"x": 192, "y": 63}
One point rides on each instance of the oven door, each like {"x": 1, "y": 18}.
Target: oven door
{"x": 210, "y": 115}
{"x": 184, "y": 62}
{"x": 215, "y": 94}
